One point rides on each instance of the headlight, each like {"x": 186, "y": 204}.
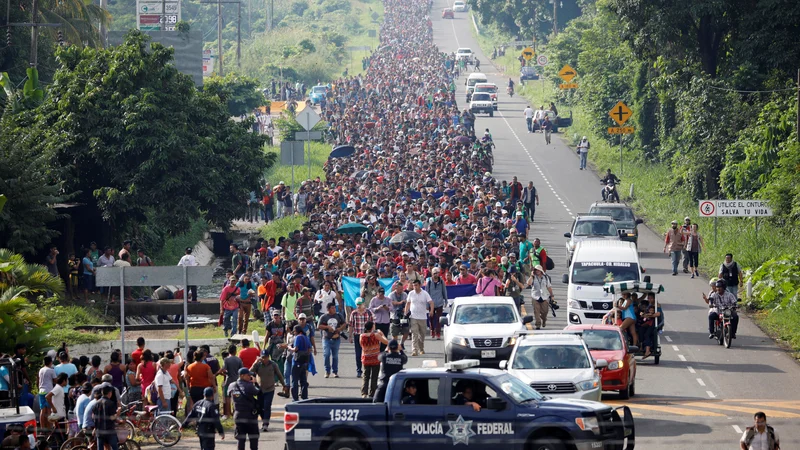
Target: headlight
{"x": 511, "y": 341}
{"x": 459, "y": 341}
{"x": 588, "y": 385}
{"x": 573, "y": 304}
{"x": 616, "y": 365}
{"x": 588, "y": 424}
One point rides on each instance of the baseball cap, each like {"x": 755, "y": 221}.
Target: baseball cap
{"x": 302, "y": 316}
{"x": 393, "y": 344}
{"x": 264, "y": 353}
{"x": 189, "y": 249}
{"x": 244, "y": 371}
{"x": 208, "y": 392}
{"x": 674, "y": 221}
{"x": 519, "y": 213}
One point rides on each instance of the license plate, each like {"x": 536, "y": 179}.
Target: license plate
{"x": 488, "y": 353}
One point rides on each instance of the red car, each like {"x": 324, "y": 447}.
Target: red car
{"x": 448, "y": 13}
{"x": 607, "y": 342}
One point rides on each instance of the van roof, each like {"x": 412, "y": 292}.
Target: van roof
{"x": 476, "y": 75}
{"x": 605, "y": 250}
{"x": 481, "y": 300}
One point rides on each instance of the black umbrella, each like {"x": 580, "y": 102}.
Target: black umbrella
{"x": 342, "y": 151}
{"x": 405, "y": 236}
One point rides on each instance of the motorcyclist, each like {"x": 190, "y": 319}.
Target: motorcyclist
{"x": 611, "y": 179}
{"x": 717, "y": 302}
{"x": 510, "y": 88}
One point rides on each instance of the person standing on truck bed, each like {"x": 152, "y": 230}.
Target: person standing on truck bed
{"x": 245, "y": 415}
{"x": 391, "y": 363}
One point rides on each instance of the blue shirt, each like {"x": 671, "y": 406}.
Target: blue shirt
{"x": 88, "y": 421}
{"x": 301, "y": 343}
{"x": 87, "y": 262}
{"x": 4, "y": 378}
{"x": 80, "y": 408}
{"x": 521, "y": 225}
{"x": 67, "y": 368}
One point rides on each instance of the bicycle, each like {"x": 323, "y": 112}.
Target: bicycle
{"x": 84, "y": 442}
{"x": 163, "y": 427}
{"x": 52, "y": 439}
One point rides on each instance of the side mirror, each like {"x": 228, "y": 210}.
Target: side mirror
{"x": 495, "y": 404}
{"x": 565, "y": 279}
{"x": 567, "y": 235}
{"x": 601, "y": 363}
{"x": 527, "y": 320}
{"x": 646, "y": 278}
{"x": 633, "y": 349}
{"x": 504, "y": 364}
{"x": 639, "y": 221}
{"x": 641, "y": 269}
{"x": 444, "y": 321}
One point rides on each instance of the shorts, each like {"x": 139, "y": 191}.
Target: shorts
{"x": 628, "y": 314}
{"x": 88, "y": 281}
{"x": 398, "y": 330}
{"x": 43, "y": 402}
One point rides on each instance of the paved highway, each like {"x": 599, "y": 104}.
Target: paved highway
{"x": 701, "y": 395}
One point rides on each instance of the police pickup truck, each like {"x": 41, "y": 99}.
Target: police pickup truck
{"x": 436, "y": 408}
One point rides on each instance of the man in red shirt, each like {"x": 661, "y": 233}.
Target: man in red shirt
{"x": 136, "y": 355}
{"x": 248, "y": 354}
{"x": 465, "y": 277}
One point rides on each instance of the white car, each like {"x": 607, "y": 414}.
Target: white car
{"x": 466, "y": 54}
{"x": 459, "y": 6}
{"x": 481, "y": 103}
{"x": 482, "y": 328}
{"x": 488, "y": 88}
{"x": 556, "y": 364}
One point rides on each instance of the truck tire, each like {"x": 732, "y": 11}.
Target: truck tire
{"x": 346, "y": 444}
{"x": 547, "y": 443}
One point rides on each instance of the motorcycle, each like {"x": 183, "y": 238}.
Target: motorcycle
{"x": 510, "y": 91}
{"x": 610, "y": 193}
{"x": 722, "y": 327}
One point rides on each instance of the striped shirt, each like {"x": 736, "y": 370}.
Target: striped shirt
{"x": 358, "y": 319}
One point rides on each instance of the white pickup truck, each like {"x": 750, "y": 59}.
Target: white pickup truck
{"x": 13, "y": 416}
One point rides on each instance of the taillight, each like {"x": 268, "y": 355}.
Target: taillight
{"x": 290, "y": 420}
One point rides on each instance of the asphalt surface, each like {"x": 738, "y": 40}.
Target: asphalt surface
{"x": 701, "y": 395}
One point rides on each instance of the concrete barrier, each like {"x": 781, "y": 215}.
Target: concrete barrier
{"x": 103, "y": 349}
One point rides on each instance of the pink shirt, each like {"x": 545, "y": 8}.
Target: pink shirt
{"x": 486, "y": 286}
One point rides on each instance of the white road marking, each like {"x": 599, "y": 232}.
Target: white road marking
{"x": 455, "y": 36}
{"x": 691, "y": 370}
{"x": 669, "y": 339}
{"x": 675, "y": 347}
{"x": 711, "y": 394}
{"x": 682, "y": 358}
{"x": 702, "y": 383}
{"x": 737, "y": 429}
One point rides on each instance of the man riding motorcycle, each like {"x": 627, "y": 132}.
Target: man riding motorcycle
{"x": 717, "y": 302}
{"x": 510, "y": 88}
{"x": 609, "y": 177}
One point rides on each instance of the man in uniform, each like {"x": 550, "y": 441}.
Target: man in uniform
{"x": 208, "y": 423}
{"x": 391, "y": 363}
{"x": 244, "y": 393}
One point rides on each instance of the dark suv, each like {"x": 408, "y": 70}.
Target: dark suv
{"x": 623, "y": 216}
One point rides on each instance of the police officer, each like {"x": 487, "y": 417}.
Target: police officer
{"x": 244, "y": 393}
{"x": 391, "y": 363}
{"x": 207, "y": 416}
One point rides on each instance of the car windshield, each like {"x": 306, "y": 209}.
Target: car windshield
{"x": 517, "y": 389}
{"x": 488, "y": 89}
{"x": 595, "y": 228}
{"x": 528, "y": 70}
{"x": 602, "y": 339}
{"x": 464, "y": 50}
{"x": 481, "y": 98}
{"x": 618, "y": 214}
{"x": 319, "y": 89}
{"x": 549, "y": 357}
{"x": 475, "y": 314}
{"x": 599, "y": 273}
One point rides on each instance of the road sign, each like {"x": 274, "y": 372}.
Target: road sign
{"x": 208, "y": 62}
{"x": 620, "y": 113}
{"x": 528, "y": 53}
{"x": 541, "y": 60}
{"x": 308, "y": 135}
{"x": 568, "y": 85}
{"x": 292, "y": 153}
{"x": 734, "y": 208}
{"x": 620, "y": 130}
{"x": 152, "y": 15}
{"x": 307, "y": 118}
{"x": 567, "y": 73}
{"x": 708, "y": 208}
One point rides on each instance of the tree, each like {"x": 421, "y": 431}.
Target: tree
{"x": 138, "y": 143}
{"x": 239, "y": 92}
{"x": 79, "y": 20}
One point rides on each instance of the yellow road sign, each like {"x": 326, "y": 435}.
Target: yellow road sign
{"x": 620, "y": 113}
{"x": 567, "y": 73}
{"x": 568, "y": 85}
{"x": 620, "y": 130}
{"x": 528, "y": 53}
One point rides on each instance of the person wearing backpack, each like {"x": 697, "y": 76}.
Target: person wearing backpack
{"x": 538, "y": 282}
{"x": 583, "y": 151}
{"x": 760, "y": 436}
{"x": 730, "y": 272}
{"x": 301, "y": 350}
{"x": 539, "y": 256}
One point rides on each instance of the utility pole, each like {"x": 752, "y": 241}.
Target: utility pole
{"x": 249, "y": 20}
{"x": 219, "y": 38}
{"x": 103, "y": 30}
{"x": 798, "y": 106}
{"x": 555, "y": 17}
{"x": 271, "y": 14}
{"x": 239, "y": 37}
{"x": 34, "y": 26}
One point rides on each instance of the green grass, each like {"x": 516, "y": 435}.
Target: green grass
{"x": 174, "y": 247}
{"x": 64, "y": 318}
{"x": 364, "y": 9}
{"x": 278, "y": 172}
{"x": 282, "y": 227}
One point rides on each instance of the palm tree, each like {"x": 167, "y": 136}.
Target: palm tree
{"x": 79, "y": 19}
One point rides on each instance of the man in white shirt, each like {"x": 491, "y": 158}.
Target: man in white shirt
{"x": 55, "y": 399}
{"x": 419, "y": 304}
{"x": 760, "y": 436}
{"x": 538, "y": 282}
{"x": 163, "y": 380}
{"x": 124, "y": 261}
{"x": 583, "y": 151}
{"x": 528, "y": 113}
{"x": 189, "y": 260}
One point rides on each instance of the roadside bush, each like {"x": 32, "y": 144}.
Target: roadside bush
{"x": 776, "y": 284}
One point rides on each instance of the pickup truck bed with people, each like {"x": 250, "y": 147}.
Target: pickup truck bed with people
{"x": 481, "y": 408}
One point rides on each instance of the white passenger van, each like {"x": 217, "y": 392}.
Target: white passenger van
{"x": 594, "y": 263}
